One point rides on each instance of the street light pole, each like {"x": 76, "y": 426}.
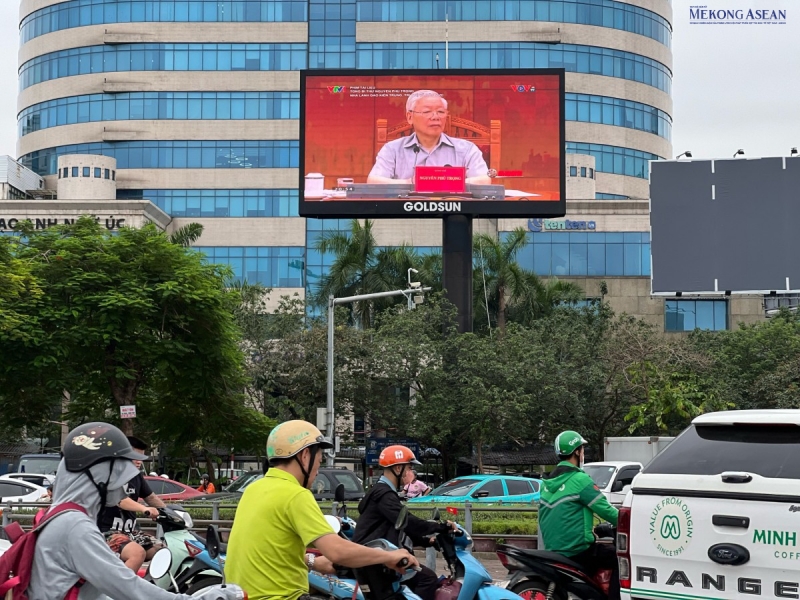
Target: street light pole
{"x": 332, "y": 304}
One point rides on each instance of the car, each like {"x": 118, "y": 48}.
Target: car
{"x": 323, "y": 486}
{"x": 39, "y": 479}
{"x": 20, "y": 491}
{"x": 717, "y": 513}
{"x": 39, "y": 463}
{"x": 171, "y": 491}
{"x": 612, "y": 477}
{"x": 484, "y": 488}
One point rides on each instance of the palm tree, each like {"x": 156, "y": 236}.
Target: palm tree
{"x": 187, "y": 235}
{"x": 361, "y": 267}
{"x": 498, "y": 278}
{"x": 542, "y": 296}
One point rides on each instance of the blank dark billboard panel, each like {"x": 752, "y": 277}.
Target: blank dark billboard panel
{"x": 432, "y": 143}
{"x": 725, "y": 225}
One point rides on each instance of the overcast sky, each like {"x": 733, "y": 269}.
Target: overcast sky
{"x": 735, "y": 86}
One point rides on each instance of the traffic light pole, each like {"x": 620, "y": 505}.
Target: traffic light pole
{"x": 332, "y": 304}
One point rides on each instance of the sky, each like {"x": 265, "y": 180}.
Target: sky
{"x": 735, "y": 86}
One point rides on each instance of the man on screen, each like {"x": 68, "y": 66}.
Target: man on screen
{"x": 428, "y": 146}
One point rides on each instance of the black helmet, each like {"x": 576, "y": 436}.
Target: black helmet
{"x": 92, "y": 443}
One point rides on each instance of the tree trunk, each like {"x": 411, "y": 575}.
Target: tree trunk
{"x": 501, "y": 309}
{"x": 480, "y": 456}
{"x": 209, "y": 465}
{"x": 127, "y": 426}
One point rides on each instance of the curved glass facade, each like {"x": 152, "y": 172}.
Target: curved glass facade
{"x": 284, "y": 105}
{"x": 516, "y": 55}
{"x": 615, "y": 159}
{"x": 271, "y": 266}
{"x": 219, "y": 203}
{"x": 603, "y": 13}
{"x": 79, "y": 13}
{"x": 206, "y": 154}
{"x": 605, "y": 110}
{"x": 159, "y": 105}
{"x": 162, "y": 57}
{"x": 594, "y": 254}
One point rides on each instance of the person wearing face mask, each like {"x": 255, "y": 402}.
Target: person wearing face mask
{"x": 569, "y": 501}
{"x": 96, "y": 466}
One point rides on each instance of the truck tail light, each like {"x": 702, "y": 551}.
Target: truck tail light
{"x": 624, "y": 547}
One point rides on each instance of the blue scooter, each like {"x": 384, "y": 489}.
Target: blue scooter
{"x": 468, "y": 579}
{"x": 374, "y": 582}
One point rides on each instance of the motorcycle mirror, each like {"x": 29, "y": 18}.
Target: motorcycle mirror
{"x": 338, "y": 493}
{"x": 334, "y": 523}
{"x": 160, "y": 563}
{"x": 402, "y": 518}
{"x": 212, "y": 542}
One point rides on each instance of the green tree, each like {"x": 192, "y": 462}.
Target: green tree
{"x": 508, "y": 291}
{"x": 361, "y": 267}
{"x": 133, "y": 318}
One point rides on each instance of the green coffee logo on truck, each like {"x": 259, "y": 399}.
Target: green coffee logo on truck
{"x": 671, "y": 526}
{"x": 780, "y": 540}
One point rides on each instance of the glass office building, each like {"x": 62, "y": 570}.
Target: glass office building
{"x": 198, "y": 102}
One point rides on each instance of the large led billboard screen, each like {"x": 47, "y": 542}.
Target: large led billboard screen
{"x": 725, "y": 226}
{"x": 432, "y": 143}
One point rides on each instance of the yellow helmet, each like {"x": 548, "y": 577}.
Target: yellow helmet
{"x": 292, "y": 437}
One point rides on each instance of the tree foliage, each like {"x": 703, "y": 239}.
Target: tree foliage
{"x": 129, "y": 319}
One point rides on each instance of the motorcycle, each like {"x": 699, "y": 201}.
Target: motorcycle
{"x": 541, "y": 575}
{"x": 374, "y": 582}
{"x": 161, "y": 565}
{"x": 468, "y": 579}
{"x": 172, "y": 529}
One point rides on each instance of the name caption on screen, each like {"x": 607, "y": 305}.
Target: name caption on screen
{"x": 432, "y": 206}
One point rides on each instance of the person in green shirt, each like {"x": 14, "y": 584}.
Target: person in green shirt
{"x": 569, "y": 501}
{"x": 278, "y": 518}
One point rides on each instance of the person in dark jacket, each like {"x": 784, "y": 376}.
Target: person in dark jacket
{"x": 382, "y": 505}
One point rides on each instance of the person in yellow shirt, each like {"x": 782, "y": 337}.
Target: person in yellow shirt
{"x": 278, "y": 518}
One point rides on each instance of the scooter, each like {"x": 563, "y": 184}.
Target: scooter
{"x": 374, "y": 582}
{"x": 541, "y": 575}
{"x": 468, "y": 579}
{"x": 172, "y": 529}
{"x": 161, "y": 565}
{"x": 207, "y": 571}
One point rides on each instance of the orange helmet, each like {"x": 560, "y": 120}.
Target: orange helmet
{"x": 397, "y": 455}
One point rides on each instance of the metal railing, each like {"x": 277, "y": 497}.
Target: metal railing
{"x": 468, "y": 509}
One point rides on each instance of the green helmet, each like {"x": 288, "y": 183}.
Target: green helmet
{"x": 568, "y": 441}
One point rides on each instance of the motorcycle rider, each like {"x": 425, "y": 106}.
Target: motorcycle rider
{"x": 277, "y": 519}
{"x": 380, "y": 508}
{"x": 96, "y": 466}
{"x": 568, "y": 500}
{"x": 119, "y": 524}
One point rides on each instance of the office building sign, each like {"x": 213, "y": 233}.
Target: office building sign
{"x": 11, "y": 222}
{"x": 539, "y": 225}
{"x": 428, "y": 144}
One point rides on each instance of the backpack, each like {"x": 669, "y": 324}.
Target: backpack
{"x": 16, "y": 563}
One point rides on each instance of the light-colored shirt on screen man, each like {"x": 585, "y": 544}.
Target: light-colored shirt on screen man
{"x": 398, "y": 158}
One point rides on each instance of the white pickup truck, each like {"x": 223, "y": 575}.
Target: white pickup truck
{"x": 717, "y": 513}
{"x": 613, "y": 477}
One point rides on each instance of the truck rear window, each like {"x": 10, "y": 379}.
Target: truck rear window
{"x": 766, "y": 450}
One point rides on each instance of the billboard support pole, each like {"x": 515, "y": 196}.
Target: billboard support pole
{"x": 457, "y": 267}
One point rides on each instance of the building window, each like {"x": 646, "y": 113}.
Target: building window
{"x": 107, "y": 173}
{"x": 586, "y": 254}
{"x": 688, "y": 315}
{"x": 66, "y": 172}
{"x": 274, "y": 267}
{"x": 583, "y": 171}
{"x": 219, "y": 203}
{"x": 573, "y": 171}
{"x": 97, "y": 171}
{"x": 59, "y": 174}
{"x": 113, "y": 175}
{"x": 591, "y": 173}
{"x": 86, "y": 171}
{"x": 74, "y": 171}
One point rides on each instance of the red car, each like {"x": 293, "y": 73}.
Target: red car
{"x": 169, "y": 490}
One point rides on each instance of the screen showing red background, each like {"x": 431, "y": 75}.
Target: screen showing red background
{"x": 515, "y": 120}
